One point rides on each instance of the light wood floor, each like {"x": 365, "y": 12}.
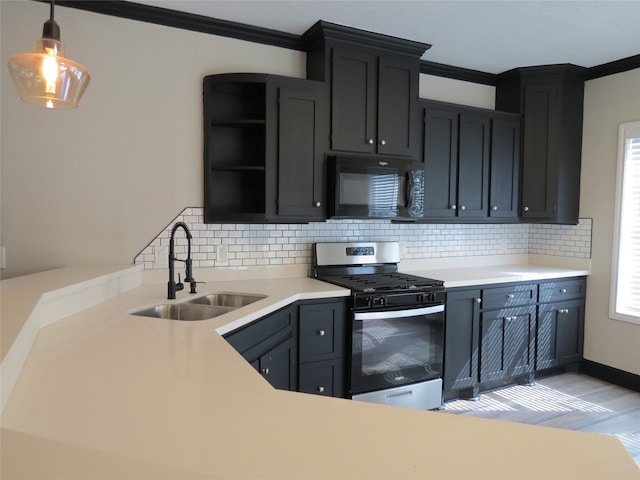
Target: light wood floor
{"x": 571, "y": 401}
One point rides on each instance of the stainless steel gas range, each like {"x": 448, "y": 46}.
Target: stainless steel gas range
{"x": 397, "y": 324}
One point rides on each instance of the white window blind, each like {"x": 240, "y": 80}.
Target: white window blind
{"x": 625, "y": 291}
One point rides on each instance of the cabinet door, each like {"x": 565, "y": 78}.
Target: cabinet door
{"x": 538, "y": 162}
{"x": 322, "y": 378}
{"x": 353, "y": 100}
{"x": 321, "y": 331}
{"x": 461, "y": 340}
{"x": 560, "y": 335}
{"x": 473, "y": 166}
{"x": 440, "y": 162}
{"x": 300, "y": 188}
{"x": 278, "y": 366}
{"x": 521, "y": 341}
{"x": 507, "y": 343}
{"x": 505, "y": 168}
{"x": 397, "y": 103}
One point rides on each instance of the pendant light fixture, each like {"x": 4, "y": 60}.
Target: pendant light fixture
{"x": 47, "y": 77}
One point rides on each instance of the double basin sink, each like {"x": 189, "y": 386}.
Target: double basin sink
{"x": 200, "y": 308}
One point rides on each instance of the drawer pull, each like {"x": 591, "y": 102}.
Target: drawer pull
{"x": 321, "y": 333}
{"x": 478, "y": 300}
{"x": 511, "y": 295}
{"x": 563, "y": 290}
{"x": 320, "y": 389}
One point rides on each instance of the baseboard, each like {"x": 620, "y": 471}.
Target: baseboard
{"x": 611, "y": 375}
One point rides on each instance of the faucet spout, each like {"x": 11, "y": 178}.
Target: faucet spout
{"x": 173, "y": 286}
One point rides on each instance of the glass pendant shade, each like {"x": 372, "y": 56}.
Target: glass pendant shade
{"x": 47, "y": 77}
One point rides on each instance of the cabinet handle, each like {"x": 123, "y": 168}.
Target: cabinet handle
{"x": 510, "y": 295}
{"x": 370, "y": 141}
{"x": 462, "y": 207}
{"x": 265, "y": 371}
{"x": 494, "y": 208}
{"x": 321, "y": 333}
{"x": 508, "y": 319}
{"x": 321, "y": 389}
{"x": 478, "y": 300}
{"x": 318, "y": 204}
{"x": 383, "y": 142}
{"x": 564, "y": 310}
{"x": 525, "y": 209}
{"x": 454, "y": 206}
{"x": 563, "y": 290}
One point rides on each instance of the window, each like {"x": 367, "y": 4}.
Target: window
{"x": 625, "y": 285}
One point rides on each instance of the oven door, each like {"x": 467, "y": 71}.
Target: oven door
{"x": 394, "y": 348}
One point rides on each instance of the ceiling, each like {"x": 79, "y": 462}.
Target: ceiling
{"x": 487, "y": 35}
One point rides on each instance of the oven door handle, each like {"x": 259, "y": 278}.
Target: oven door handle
{"x": 388, "y": 315}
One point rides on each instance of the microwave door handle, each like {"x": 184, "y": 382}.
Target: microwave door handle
{"x": 389, "y": 315}
{"x": 409, "y": 193}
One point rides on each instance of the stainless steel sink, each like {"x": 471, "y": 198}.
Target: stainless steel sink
{"x": 182, "y": 311}
{"x": 230, "y": 300}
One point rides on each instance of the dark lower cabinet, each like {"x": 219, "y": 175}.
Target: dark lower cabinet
{"x": 300, "y": 347}
{"x": 502, "y": 333}
{"x": 322, "y": 378}
{"x": 277, "y": 365}
{"x": 560, "y": 334}
{"x": 507, "y": 343}
{"x": 322, "y": 347}
{"x": 462, "y": 326}
{"x": 270, "y": 346}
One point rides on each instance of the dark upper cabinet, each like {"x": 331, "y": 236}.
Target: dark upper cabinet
{"x": 373, "y": 103}
{"x": 504, "y": 176}
{"x": 300, "y": 157}
{"x": 471, "y": 163}
{"x": 264, "y": 142}
{"x": 551, "y": 101}
{"x": 374, "y": 88}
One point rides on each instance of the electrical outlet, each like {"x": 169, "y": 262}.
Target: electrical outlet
{"x": 160, "y": 252}
{"x": 222, "y": 255}
{"x": 3, "y": 258}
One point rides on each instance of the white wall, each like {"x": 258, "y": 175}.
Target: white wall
{"x": 609, "y": 101}
{"x": 96, "y": 184}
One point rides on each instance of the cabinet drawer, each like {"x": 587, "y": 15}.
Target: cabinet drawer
{"x": 321, "y": 331}
{"x": 322, "y": 378}
{"x": 494, "y": 298}
{"x": 562, "y": 290}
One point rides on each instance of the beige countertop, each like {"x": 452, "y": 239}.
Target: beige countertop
{"x": 105, "y": 394}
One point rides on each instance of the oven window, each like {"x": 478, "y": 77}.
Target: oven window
{"x": 396, "y": 351}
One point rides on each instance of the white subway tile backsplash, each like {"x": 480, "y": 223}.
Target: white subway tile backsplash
{"x": 279, "y": 244}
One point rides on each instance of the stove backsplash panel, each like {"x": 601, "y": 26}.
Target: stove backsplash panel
{"x": 246, "y": 245}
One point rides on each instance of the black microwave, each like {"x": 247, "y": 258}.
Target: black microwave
{"x": 361, "y": 187}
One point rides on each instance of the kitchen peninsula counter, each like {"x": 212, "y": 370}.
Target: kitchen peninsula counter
{"x": 106, "y": 394}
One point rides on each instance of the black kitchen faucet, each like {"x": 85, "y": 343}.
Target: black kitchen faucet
{"x": 172, "y": 286}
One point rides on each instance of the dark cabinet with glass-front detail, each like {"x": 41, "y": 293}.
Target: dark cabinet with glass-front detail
{"x": 263, "y": 148}
{"x": 471, "y": 163}
{"x": 322, "y": 347}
